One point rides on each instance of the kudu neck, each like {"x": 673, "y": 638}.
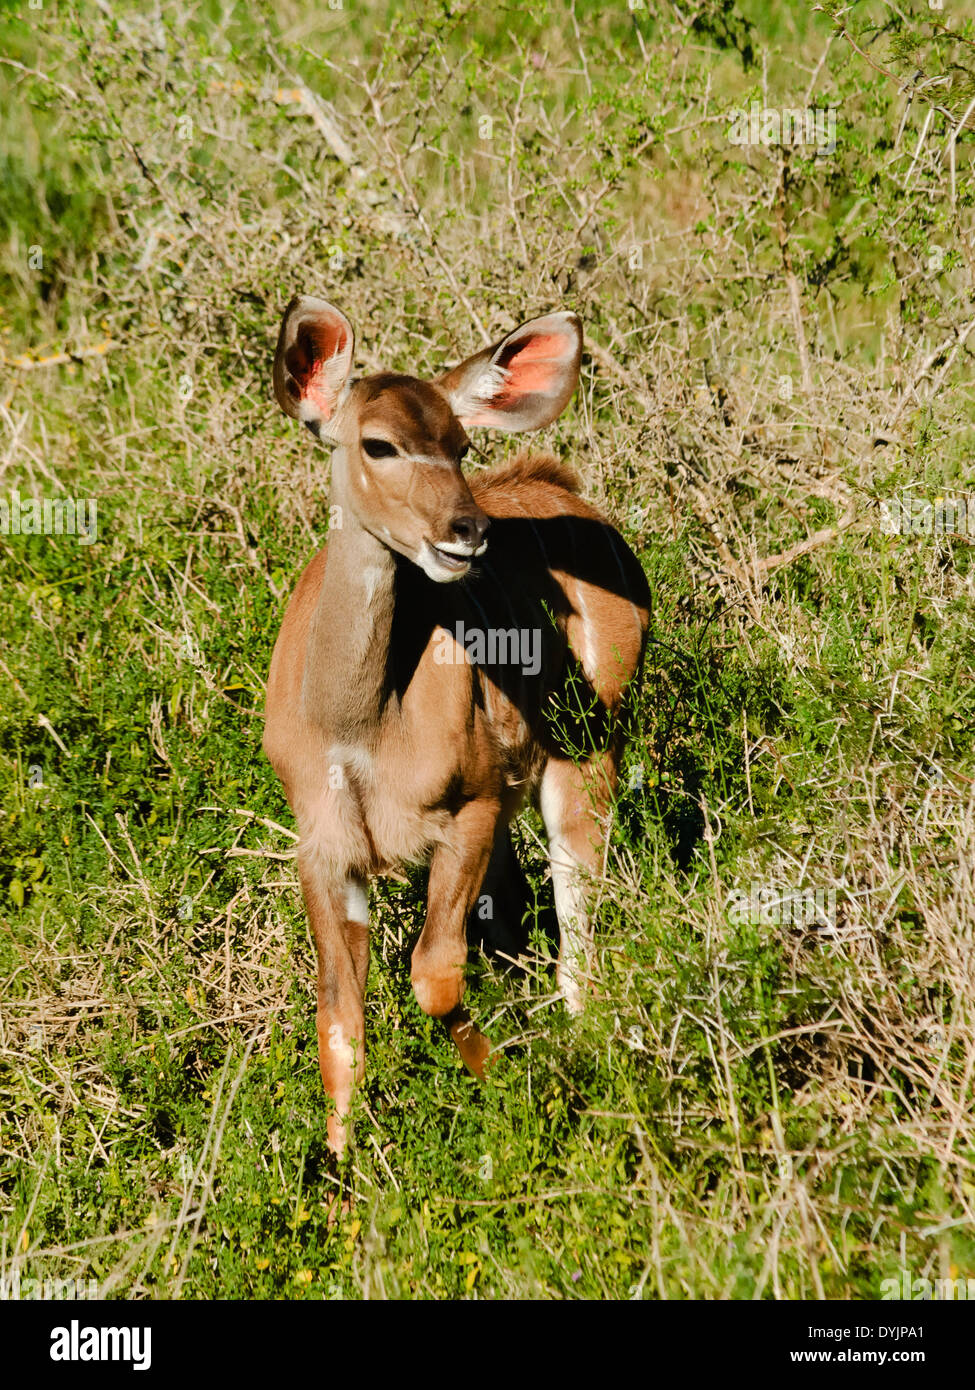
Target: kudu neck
{"x": 347, "y": 681}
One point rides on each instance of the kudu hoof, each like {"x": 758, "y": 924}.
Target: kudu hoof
{"x": 473, "y": 1046}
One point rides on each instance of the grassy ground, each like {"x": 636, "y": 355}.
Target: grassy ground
{"x": 756, "y": 1106}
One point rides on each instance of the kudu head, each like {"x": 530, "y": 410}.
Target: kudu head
{"x": 399, "y": 441}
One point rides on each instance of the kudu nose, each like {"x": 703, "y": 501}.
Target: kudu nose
{"x": 470, "y": 529}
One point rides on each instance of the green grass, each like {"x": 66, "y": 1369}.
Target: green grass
{"x": 748, "y": 1109}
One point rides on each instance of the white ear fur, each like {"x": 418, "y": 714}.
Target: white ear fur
{"x": 477, "y": 390}
{"x": 523, "y": 382}
{"x": 313, "y": 361}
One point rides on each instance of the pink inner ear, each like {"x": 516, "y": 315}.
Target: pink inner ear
{"x": 326, "y": 341}
{"x": 535, "y": 366}
{"x": 319, "y": 389}
{"x": 331, "y": 342}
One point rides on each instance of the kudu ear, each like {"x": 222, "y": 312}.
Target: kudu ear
{"x": 312, "y": 361}
{"x": 521, "y": 383}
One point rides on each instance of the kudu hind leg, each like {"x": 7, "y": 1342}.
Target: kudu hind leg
{"x": 339, "y": 920}
{"x": 575, "y": 802}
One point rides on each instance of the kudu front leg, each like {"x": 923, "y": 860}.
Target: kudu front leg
{"x": 338, "y": 913}
{"x": 439, "y": 957}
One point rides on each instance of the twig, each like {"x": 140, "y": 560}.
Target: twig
{"x": 36, "y": 72}
{"x": 27, "y": 363}
{"x": 791, "y": 280}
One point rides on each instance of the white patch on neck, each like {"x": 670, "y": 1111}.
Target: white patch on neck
{"x": 371, "y": 576}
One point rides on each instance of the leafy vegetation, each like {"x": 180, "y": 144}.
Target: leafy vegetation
{"x": 764, "y": 1102}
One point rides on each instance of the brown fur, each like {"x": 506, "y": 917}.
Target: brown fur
{"x": 389, "y": 753}
{"x": 508, "y": 480}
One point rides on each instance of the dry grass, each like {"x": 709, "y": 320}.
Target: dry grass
{"x": 792, "y": 1116}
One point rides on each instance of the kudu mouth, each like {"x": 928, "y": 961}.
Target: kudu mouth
{"x": 458, "y": 557}
{"x": 446, "y": 560}
{"x": 443, "y": 560}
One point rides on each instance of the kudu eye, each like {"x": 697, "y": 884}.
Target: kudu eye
{"x": 379, "y": 448}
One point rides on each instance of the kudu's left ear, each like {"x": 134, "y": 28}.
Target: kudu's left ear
{"x": 524, "y": 381}
{"x": 313, "y": 360}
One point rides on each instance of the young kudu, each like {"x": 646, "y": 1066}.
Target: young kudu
{"x": 405, "y": 718}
